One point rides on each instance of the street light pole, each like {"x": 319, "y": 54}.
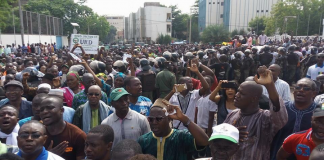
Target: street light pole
{"x": 21, "y": 23}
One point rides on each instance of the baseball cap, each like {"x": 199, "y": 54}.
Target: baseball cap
{"x": 118, "y": 63}
{"x": 319, "y": 111}
{"x": 14, "y": 83}
{"x": 117, "y": 93}
{"x": 225, "y": 131}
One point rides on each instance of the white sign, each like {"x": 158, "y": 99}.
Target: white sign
{"x": 89, "y": 43}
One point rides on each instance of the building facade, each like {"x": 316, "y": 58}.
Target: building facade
{"x": 149, "y": 22}
{"x": 233, "y": 14}
{"x": 119, "y": 23}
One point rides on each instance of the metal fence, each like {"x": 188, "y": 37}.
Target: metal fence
{"x": 34, "y": 23}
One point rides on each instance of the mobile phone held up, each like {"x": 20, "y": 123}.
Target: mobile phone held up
{"x": 229, "y": 85}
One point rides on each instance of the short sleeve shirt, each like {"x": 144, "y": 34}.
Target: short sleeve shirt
{"x": 300, "y": 144}
{"x": 142, "y": 105}
{"x": 165, "y": 81}
{"x": 205, "y": 105}
{"x": 76, "y": 138}
{"x": 314, "y": 70}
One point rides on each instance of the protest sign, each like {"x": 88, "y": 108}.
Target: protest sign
{"x": 89, "y": 43}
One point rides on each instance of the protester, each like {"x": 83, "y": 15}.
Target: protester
{"x": 176, "y": 144}
{"x": 93, "y": 112}
{"x": 31, "y": 138}
{"x": 125, "y": 149}
{"x": 8, "y": 125}
{"x": 64, "y": 139}
{"x": 317, "y": 153}
{"x": 126, "y": 123}
{"x": 99, "y": 142}
{"x": 74, "y": 86}
{"x": 165, "y": 79}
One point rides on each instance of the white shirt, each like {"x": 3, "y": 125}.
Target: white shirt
{"x": 275, "y": 56}
{"x": 52, "y": 156}
{"x": 263, "y": 39}
{"x": 190, "y": 112}
{"x": 282, "y": 88}
{"x": 205, "y": 106}
{"x": 313, "y": 71}
{"x": 131, "y": 127}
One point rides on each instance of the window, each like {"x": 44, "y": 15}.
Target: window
{"x": 168, "y": 28}
{"x": 213, "y": 2}
{"x": 221, "y": 16}
{"x": 261, "y": 10}
{"x": 222, "y": 3}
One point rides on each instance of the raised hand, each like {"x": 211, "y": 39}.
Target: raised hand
{"x": 265, "y": 76}
{"x": 193, "y": 68}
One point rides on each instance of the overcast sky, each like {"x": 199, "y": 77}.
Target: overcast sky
{"x": 124, "y": 7}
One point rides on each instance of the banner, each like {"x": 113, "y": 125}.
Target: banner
{"x": 89, "y": 43}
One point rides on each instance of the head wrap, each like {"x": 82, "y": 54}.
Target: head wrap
{"x": 120, "y": 74}
{"x": 74, "y": 74}
{"x": 103, "y": 75}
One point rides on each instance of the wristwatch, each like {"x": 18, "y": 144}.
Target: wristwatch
{"x": 187, "y": 124}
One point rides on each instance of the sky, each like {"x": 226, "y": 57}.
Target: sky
{"x": 125, "y": 7}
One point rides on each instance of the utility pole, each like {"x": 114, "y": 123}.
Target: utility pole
{"x": 21, "y": 23}
{"x": 193, "y": 10}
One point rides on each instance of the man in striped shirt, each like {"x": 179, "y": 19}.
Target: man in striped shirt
{"x": 257, "y": 126}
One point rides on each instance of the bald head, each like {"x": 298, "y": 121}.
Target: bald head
{"x": 34, "y": 124}
{"x": 275, "y": 66}
{"x": 253, "y": 88}
{"x": 308, "y": 81}
{"x": 87, "y": 76}
{"x": 95, "y": 88}
{"x": 317, "y": 153}
{"x": 275, "y": 69}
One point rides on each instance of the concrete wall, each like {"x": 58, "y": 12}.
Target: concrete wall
{"x": 10, "y": 38}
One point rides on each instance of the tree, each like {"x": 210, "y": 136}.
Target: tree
{"x": 215, "y": 34}
{"x": 234, "y": 32}
{"x": 305, "y": 11}
{"x": 163, "y": 39}
{"x": 180, "y": 23}
{"x": 258, "y": 24}
{"x": 6, "y": 13}
{"x": 71, "y": 12}
{"x": 111, "y": 35}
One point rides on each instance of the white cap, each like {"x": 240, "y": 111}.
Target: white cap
{"x": 44, "y": 85}
{"x": 119, "y": 63}
{"x": 56, "y": 92}
{"x": 225, "y": 131}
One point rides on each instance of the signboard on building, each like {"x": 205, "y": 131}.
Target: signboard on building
{"x": 89, "y": 43}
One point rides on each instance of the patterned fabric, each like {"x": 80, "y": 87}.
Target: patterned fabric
{"x": 174, "y": 146}
{"x": 300, "y": 144}
{"x": 106, "y": 88}
{"x": 68, "y": 95}
{"x": 298, "y": 120}
{"x": 262, "y": 127}
{"x": 142, "y": 105}
{"x": 81, "y": 98}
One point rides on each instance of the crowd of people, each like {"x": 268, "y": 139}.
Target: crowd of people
{"x": 164, "y": 102}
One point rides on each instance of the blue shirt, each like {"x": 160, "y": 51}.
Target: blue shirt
{"x": 106, "y": 88}
{"x": 25, "y": 108}
{"x": 67, "y": 116}
{"x": 298, "y": 120}
{"x": 42, "y": 156}
{"x": 142, "y": 105}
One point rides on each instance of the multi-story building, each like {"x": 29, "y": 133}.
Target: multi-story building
{"x": 149, "y": 22}
{"x": 233, "y": 14}
{"x": 118, "y": 22}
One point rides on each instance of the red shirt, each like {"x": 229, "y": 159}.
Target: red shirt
{"x": 300, "y": 144}
{"x": 197, "y": 84}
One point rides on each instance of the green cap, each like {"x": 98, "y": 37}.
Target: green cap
{"x": 117, "y": 93}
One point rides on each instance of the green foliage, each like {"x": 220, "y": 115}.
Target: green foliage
{"x": 163, "y": 39}
{"x": 304, "y": 10}
{"x": 234, "y": 32}
{"x": 111, "y": 35}
{"x": 72, "y": 12}
{"x": 258, "y": 24}
{"x": 214, "y": 34}
{"x": 180, "y": 23}
{"x": 6, "y": 13}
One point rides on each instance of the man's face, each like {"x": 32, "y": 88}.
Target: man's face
{"x": 94, "y": 95}
{"x": 318, "y": 127}
{"x": 8, "y": 119}
{"x": 14, "y": 93}
{"x": 320, "y": 58}
{"x": 242, "y": 98}
{"x": 65, "y": 70}
{"x": 88, "y": 82}
{"x": 95, "y": 147}
{"x": 31, "y": 138}
{"x": 188, "y": 82}
{"x": 109, "y": 61}
{"x": 135, "y": 87}
{"x": 275, "y": 72}
{"x": 159, "y": 123}
{"x": 36, "y": 106}
{"x": 122, "y": 104}
{"x": 303, "y": 92}
{"x": 29, "y": 64}
{"x": 9, "y": 66}
{"x": 59, "y": 62}
{"x": 222, "y": 149}
{"x": 50, "y": 111}
{"x": 54, "y": 71}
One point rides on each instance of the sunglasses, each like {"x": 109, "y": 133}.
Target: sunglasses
{"x": 91, "y": 94}
{"x": 298, "y": 88}
{"x": 157, "y": 119}
{"x": 26, "y": 135}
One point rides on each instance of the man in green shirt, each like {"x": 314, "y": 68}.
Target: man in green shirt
{"x": 165, "y": 79}
{"x": 167, "y": 143}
